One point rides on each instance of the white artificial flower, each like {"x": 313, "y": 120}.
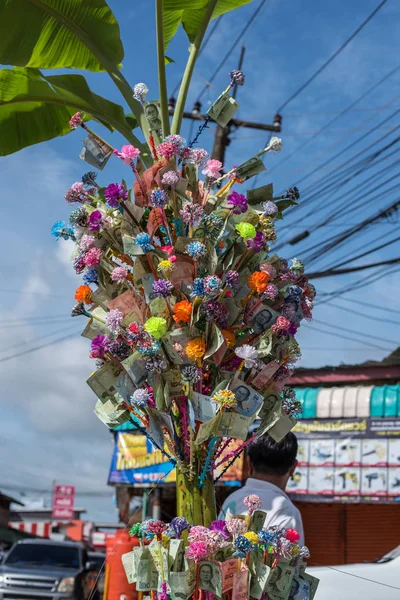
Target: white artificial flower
{"x": 274, "y": 144}
{"x": 248, "y": 354}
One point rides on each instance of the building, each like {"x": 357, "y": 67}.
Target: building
{"x": 348, "y": 479}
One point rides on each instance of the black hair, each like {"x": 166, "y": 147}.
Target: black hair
{"x": 273, "y": 458}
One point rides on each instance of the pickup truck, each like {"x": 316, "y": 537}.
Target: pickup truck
{"x": 40, "y": 569}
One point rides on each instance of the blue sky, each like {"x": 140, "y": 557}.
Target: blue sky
{"x": 48, "y": 427}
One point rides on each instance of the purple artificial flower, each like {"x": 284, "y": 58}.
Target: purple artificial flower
{"x": 257, "y": 243}
{"x": 95, "y": 220}
{"x": 76, "y": 193}
{"x": 170, "y": 178}
{"x": 87, "y": 242}
{"x": 237, "y": 77}
{"x": 119, "y": 274}
{"x": 216, "y": 311}
{"x": 212, "y": 285}
{"x": 100, "y": 345}
{"x": 196, "y": 156}
{"x": 232, "y": 278}
{"x": 271, "y": 292}
{"x": 159, "y": 198}
{"x": 238, "y": 203}
{"x": 113, "y": 320}
{"x": 162, "y": 288}
{"x": 191, "y": 214}
{"x": 114, "y": 193}
{"x": 79, "y": 264}
{"x": 270, "y": 209}
{"x": 220, "y": 527}
{"x": 179, "y": 524}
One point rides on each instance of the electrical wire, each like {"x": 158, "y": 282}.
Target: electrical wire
{"x": 371, "y": 305}
{"x": 366, "y": 316}
{"x": 37, "y": 348}
{"x": 36, "y": 339}
{"x": 234, "y": 45}
{"x": 359, "y": 333}
{"x": 345, "y": 337}
{"x": 334, "y": 55}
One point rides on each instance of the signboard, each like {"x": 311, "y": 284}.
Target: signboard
{"x": 347, "y": 460}
{"x": 63, "y": 502}
{"x": 135, "y": 462}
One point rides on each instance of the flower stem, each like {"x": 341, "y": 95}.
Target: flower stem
{"x": 162, "y": 79}
{"x": 187, "y": 76}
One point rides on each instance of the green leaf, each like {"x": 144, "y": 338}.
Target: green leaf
{"x": 52, "y": 34}
{"x": 35, "y": 108}
{"x": 191, "y": 14}
{"x": 284, "y": 204}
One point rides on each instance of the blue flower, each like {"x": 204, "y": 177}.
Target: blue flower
{"x": 90, "y": 276}
{"x": 197, "y": 288}
{"x": 144, "y": 241}
{"x": 61, "y": 229}
{"x": 196, "y": 250}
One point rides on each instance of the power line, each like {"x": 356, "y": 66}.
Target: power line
{"x": 37, "y": 348}
{"x": 333, "y": 272}
{"x": 35, "y": 339}
{"x": 334, "y": 55}
{"x": 370, "y": 305}
{"x": 366, "y": 316}
{"x": 345, "y": 337}
{"x": 203, "y": 46}
{"x": 232, "y": 48}
{"x": 359, "y": 333}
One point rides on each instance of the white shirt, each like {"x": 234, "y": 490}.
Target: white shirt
{"x": 280, "y": 510}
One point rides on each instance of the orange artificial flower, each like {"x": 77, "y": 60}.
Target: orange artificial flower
{"x": 195, "y": 349}
{"x": 258, "y": 281}
{"x": 183, "y": 311}
{"x": 229, "y": 337}
{"x": 83, "y": 294}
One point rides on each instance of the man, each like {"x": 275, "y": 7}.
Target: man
{"x": 270, "y": 466}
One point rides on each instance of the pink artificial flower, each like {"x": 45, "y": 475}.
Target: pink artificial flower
{"x": 119, "y": 274}
{"x": 253, "y": 503}
{"x": 128, "y": 153}
{"x": 76, "y": 120}
{"x": 281, "y": 324}
{"x": 197, "y": 551}
{"x": 269, "y": 269}
{"x": 92, "y": 258}
{"x": 213, "y": 168}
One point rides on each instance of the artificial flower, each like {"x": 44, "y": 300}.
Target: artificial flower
{"x": 182, "y": 311}
{"x": 119, "y": 274}
{"x": 76, "y": 193}
{"x": 196, "y": 250}
{"x": 237, "y": 202}
{"x": 83, "y": 294}
{"x": 156, "y": 327}
{"x": 225, "y": 399}
{"x": 159, "y": 198}
{"x": 258, "y": 281}
{"x": 251, "y": 536}
{"x": 91, "y": 276}
{"x": 237, "y": 77}
{"x": 253, "y": 503}
{"x": 229, "y": 338}
{"x": 113, "y": 320}
{"x": 170, "y": 178}
{"x": 246, "y": 230}
{"x": 213, "y": 168}
{"x": 191, "y": 214}
{"x": 76, "y": 120}
{"x": 140, "y": 91}
{"x": 127, "y": 154}
{"x": 115, "y": 193}
{"x": 257, "y": 243}
{"x": 144, "y": 241}
{"x": 270, "y": 209}
{"x": 274, "y": 144}
{"x": 61, "y": 230}
{"x": 162, "y": 288}
{"x": 95, "y": 220}
{"x": 248, "y": 354}
{"x": 92, "y": 258}
{"x": 232, "y": 278}
{"x": 195, "y": 349}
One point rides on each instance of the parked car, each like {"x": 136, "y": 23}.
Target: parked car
{"x": 39, "y": 569}
{"x": 97, "y": 559}
{"x": 367, "y": 581}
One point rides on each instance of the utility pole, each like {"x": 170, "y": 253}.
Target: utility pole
{"x": 222, "y": 140}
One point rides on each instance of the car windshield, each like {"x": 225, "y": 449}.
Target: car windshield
{"x": 389, "y": 556}
{"x": 97, "y": 559}
{"x": 44, "y": 555}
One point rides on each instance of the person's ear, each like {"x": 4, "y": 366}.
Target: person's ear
{"x": 293, "y": 468}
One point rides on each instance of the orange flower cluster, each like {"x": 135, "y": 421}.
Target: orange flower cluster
{"x": 182, "y": 311}
{"x": 195, "y": 349}
{"x": 229, "y": 337}
{"x": 83, "y": 294}
{"x": 258, "y": 281}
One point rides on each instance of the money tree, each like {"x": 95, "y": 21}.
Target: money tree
{"x": 191, "y": 317}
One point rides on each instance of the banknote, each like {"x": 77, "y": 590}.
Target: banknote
{"x": 259, "y": 579}
{"x": 252, "y": 166}
{"x": 223, "y": 109}
{"x": 260, "y": 194}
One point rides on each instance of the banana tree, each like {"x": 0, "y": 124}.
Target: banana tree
{"x": 85, "y": 35}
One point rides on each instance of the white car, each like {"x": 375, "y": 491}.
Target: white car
{"x": 367, "y": 581}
